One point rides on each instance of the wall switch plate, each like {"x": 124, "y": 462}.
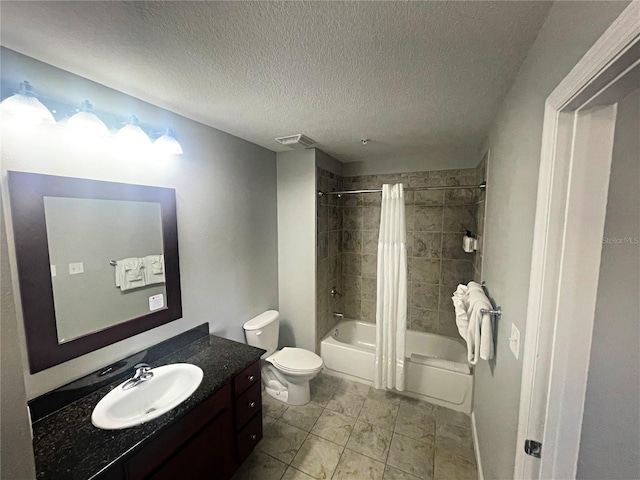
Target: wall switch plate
{"x": 53, "y": 271}
{"x": 76, "y": 268}
{"x": 514, "y": 340}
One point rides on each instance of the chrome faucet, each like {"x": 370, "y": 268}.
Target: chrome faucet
{"x": 338, "y": 314}
{"x": 143, "y": 373}
{"x": 335, "y": 292}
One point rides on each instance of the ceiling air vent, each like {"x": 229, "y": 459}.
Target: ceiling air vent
{"x": 296, "y": 141}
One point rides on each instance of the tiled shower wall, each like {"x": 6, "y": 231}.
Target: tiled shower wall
{"x": 481, "y": 176}
{"x": 329, "y": 260}
{"x": 348, "y": 229}
{"x": 436, "y": 221}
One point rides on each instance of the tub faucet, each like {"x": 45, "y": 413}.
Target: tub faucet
{"x": 143, "y": 373}
{"x": 338, "y": 314}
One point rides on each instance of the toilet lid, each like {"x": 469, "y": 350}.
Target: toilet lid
{"x": 296, "y": 359}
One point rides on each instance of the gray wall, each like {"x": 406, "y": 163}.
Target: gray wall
{"x": 435, "y": 158}
{"x": 226, "y": 202}
{"x": 16, "y": 457}
{"x": 610, "y": 440}
{"x": 297, "y": 247}
{"x": 514, "y": 143}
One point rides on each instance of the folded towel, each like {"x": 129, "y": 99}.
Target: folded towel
{"x": 154, "y": 269}
{"x": 462, "y": 317}
{"x": 129, "y": 274}
{"x": 474, "y": 327}
{"x": 480, "y": 334}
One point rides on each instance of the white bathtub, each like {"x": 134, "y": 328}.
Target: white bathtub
{"x": 437, "y": 369}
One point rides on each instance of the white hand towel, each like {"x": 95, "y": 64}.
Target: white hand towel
{"x": 476, "y": 294}
{"x": 154, "y": 269}
{"x": 486, "y": 337}
{"x": 129, "y": 274}
{"x": 480, "y": 333}
{"x": 462, "y": 317}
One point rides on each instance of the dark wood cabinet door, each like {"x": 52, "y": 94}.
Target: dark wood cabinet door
{"x": 198, "y": 446}
{"x": 207, "y": 456}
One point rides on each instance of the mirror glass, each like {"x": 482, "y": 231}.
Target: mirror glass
{"x": 106, "y": 262}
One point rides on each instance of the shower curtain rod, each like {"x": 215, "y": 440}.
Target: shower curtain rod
{"x": 482, "y": 186}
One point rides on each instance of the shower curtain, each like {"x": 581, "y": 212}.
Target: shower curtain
{"x": 391, "y": 308}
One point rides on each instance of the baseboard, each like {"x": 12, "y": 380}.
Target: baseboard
{"x": 476, "y": 446}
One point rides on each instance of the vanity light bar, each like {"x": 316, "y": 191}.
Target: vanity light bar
{"x": 25, "y": 107}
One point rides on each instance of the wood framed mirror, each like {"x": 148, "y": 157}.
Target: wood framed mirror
{"x": 84, "y": 251}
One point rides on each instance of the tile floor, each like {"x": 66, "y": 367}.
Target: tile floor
{"x": 352, "y": 431}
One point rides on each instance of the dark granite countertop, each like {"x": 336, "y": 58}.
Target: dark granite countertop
{"x": 68, "y": 446}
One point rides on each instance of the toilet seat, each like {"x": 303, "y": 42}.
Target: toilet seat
{"x": 295, "y": 360}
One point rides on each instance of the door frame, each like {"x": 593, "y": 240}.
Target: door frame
{"x": 563, "y": 280}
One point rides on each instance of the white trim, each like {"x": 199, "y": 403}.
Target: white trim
{"x": 614, "y": 42}
{"x": 541, "y": 365}
{"x": 577, "y": 290}
{"x": 476, "y": 446}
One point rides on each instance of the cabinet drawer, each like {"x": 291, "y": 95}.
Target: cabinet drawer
{"x": 249, "y": 376}
{"x": 247, "y": 404}
{"x": 249, "y": 437}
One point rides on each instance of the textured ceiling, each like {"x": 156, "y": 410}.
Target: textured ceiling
{"x": 412, "y": 77}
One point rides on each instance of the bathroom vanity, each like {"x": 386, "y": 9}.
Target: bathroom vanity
{"x": 206, "y": 437}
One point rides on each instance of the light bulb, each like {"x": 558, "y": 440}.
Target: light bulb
{"x": 167, "y": 144}
{"x": 132, "y": 137}
{"x": 25, "y": 107}
{"x": 85, "y": 123}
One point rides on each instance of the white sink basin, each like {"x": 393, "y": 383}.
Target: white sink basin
{"x": 170, "y": 386}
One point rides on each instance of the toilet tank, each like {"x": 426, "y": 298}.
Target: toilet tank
{"x": 262, "y": 331}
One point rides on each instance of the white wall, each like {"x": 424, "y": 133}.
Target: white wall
{"x": 226, "y": 202}
{"x": 610, "y": 439}
{"x": 514, "y": 141}
{"x": 297, "y": 247}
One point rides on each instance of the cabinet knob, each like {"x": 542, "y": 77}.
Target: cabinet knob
{"x": 251, "y": 378}
{"x": 252, "y": 404}
{"x": 253, "y": 436}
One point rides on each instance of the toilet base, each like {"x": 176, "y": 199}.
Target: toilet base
{"x": 298, "y": 393}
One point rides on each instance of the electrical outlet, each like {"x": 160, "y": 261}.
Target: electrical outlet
{"x": 514, "y": 340}
{"x": 76, "y": 268}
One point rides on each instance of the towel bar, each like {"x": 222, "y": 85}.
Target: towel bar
{"x": 496, "y": 313}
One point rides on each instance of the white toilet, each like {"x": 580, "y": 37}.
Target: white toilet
{"x": 285, "y": 373}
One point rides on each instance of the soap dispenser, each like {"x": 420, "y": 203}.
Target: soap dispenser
{"x": 469, "y": 242}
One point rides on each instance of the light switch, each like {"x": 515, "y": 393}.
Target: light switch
{"x": 53, "y": 271}
{"x": 514, "y": 340}
{"x": 76, "y": 268}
